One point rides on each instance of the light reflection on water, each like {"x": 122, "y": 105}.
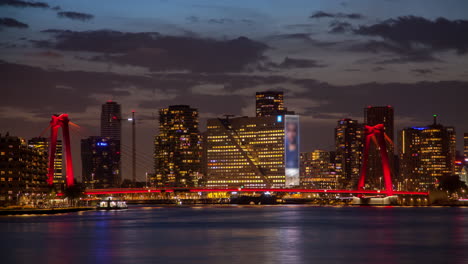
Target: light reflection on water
{"x": 240, "y": 234}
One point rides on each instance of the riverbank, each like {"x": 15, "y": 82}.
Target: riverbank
{"x": 32, "y": 211}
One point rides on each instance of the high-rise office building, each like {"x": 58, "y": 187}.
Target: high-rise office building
{"x": 100, "y": 157}
{"x": 253, "y": 152}
{"x": 111, "y": 128}
{"x": 111, "y": 116}
{"x": 23, "y": 172}
{"x": 349, "y": 146}
{"x": 317, "y": 170}
{"x": 270, "y": 103}
{"x": 425, "y": 154}
{"x": 42, "y": 144}
{"x": 177, "y": 147}
{"x": 374, "y": 115}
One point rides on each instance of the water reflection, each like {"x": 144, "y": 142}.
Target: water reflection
{"x": 230, "y": 234}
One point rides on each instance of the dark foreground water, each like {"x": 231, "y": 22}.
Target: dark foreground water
{"x": 236, "y": 234}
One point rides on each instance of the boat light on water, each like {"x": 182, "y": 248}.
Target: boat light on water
{"x": 111, "y": 203}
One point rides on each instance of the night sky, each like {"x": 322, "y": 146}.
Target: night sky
{"x": 331, "y": 58}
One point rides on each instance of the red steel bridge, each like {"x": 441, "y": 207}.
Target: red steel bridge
{"x": 374, "y": 134}
{"x": 243, "y": 190}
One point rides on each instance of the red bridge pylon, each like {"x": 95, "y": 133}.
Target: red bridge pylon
{"x": 377, "y": 135}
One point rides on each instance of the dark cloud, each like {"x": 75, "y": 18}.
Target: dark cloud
{"x": 306, "y": 38}
{"x": 422, "y": 71}
{"x": 220, "y": 21}
{"x": 403, "y": 54}
{"x": 75, "y": 16}
{"x": 159, "y": 52}
{"x": 411, "y": 31}
{"x": 49, "y": 54}
{"x": 321, "y": 14}
{"x": 10, "y": 22}
{"x": 378, "y": 68}
{"x": 18, "y": 3}
{"x": 340, "y": 27}
{"x": 193, "y": 19}
{"x": 290, "y": 63}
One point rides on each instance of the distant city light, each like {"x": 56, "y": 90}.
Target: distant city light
{"x": 101, "y": 144}
{"x": 279, "y": 119}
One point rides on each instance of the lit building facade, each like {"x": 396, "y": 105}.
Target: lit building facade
{"x": 23, "y": 172}
{"x": 270, "y": 103}
{"x": 425, "y": 154}
{"x": 465, "y": 147}
{"x": 318, "y": 170}
{"x": 249, "y": 152}
{"x": 349, "y": 147}
{"x": 178, "y": 148}
{"x": 374, "y": 115}
{"x": 42, "y": 144}
{"x": 100, "y": 157}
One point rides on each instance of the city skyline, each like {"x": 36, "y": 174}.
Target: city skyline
{"x": 254, "y": 131}
{"x": 331, "y": 59}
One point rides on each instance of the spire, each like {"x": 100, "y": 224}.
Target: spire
{"x": 435, "y": 119}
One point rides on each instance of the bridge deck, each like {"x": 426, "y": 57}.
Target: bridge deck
{"x": 295, "y": 190}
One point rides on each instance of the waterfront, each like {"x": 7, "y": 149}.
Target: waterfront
{"x": 240, "y": 234}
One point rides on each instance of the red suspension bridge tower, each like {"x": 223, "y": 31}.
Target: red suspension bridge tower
{"x": 57, "y": 122}
{"x": 377, "y": 135}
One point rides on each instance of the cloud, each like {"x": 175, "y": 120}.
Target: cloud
{"x": 192, "y": 19}
{"x": 290, "y": 63}
{"x": 403, "y": 54}
{"x": 75, "y": 16}
{"x": 10, "y": 22}
{"x": 210, "y": 89}
{"x": 49, "y": 54}
{"x": 220, "y": 21}
{"x": 378, "y": 68}
{"x": 411, "y": 32}
{"x": 322, "y": 14}
{"x": 160, "y": 52}
{"x": 305, "y": 37}
{"x": 18, "y": 3}
{"x": 422, "y": 71}
{"x": 340, "y": 27}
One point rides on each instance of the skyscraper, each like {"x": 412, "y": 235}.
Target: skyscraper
{"x": 111, "y": 116}
{"x": 349, "y": 145}
{"x": 178, "y": 147}
{"x": 374, "y": 115}
{"x": 317, "y": 170}
{"x": 100, "y": 157}
{"x": 253, "y": 152}
{"x": 269, "y": 103}
{"x": 42, "y": 144}
{"x": 111, "y": 129}
{"x": 426, "y": 153}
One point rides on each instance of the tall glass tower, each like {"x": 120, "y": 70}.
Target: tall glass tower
{"x": 110, "y": 120}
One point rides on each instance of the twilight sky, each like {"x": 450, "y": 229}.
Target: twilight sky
{"x": 331, "y": 58}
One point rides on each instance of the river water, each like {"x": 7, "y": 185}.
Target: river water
{"x": 240, "y": 234}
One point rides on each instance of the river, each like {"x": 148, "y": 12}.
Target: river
{"x": 240, "y": 234}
